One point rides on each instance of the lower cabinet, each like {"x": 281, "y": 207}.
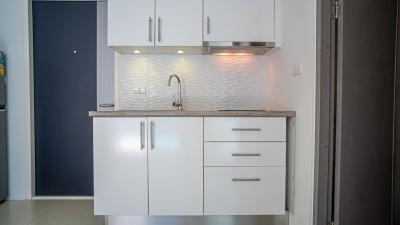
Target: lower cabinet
{"x": 154, "y": 166}
{"x": 244, "y": 190}
{"x": 148, "y": 166}
{"x": 120, "y": 166}
{"x": 176, "y": 166}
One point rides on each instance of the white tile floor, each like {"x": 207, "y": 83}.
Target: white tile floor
{"x": 49, "y": 212}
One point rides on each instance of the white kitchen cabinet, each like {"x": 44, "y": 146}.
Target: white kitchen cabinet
{"x": 239, "y": 20}
{"x": 245, "y": 154}
{"x": 120, "y": 166}
{"x": 245, "y": 129}
{"x": 175, "y": 166}
{"x": 179, "y": 23}
{"x": 244, "y": 190}
{"x": 131, "y": 22}
{"x": 145, "y": 23}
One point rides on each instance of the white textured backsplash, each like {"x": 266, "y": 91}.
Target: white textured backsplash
{"x": 208, "y": 82}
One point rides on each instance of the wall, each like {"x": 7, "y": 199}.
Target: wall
{"x": 14, "y": 41}
{"x": 208, "y": 82}
{"x": 288, "y": 92}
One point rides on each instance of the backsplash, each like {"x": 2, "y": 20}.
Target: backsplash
{"x": 208, "y": 82}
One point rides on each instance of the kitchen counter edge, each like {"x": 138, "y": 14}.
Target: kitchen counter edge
{"x": 153, "y": 113}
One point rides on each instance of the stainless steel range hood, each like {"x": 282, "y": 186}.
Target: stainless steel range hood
{"x": 236, "y": 48}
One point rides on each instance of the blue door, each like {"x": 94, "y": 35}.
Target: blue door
{"x": 64, "y": 45}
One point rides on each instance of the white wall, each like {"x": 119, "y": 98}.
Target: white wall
{"x": 288, "y": 92}
{"x": 14, "y": 41}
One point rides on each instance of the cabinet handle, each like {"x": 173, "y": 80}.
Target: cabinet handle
{"x": 246, "y": 179}
{"x": 159, "y": 29}
{"x": 208, "y": 25}
{"x": 142, "y": 135}
{"x": 150, "y": 29}
{"x": 152, "y": 134}
{"x": 246, "y": 129}
{"x": 246, "y": 154}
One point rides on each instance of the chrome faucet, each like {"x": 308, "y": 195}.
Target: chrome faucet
{"x": 178, "y": 102}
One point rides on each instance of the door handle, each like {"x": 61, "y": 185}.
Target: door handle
{"x": 142, "y": 146}
{"x": 159, "y": 29}
{"x": 150, "y": 29}
{"x": 208, "y": 25}
{"x": 246, "y": 179}
{"x": 246, "y": 154}
{"x": 246, "y": 129}
{"x": 152, "y": 134}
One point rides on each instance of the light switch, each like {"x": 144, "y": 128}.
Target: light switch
{"x": 297, "y": 69}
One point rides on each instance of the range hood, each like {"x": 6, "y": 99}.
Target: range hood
{"x": 236, "y": 48}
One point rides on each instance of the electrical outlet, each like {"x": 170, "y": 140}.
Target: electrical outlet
{"x": 139, "y": 90}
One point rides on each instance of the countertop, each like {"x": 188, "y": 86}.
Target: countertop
{"x": 173, "y": 113}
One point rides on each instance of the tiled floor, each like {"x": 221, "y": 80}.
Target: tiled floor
{"x": 52, "y": 212}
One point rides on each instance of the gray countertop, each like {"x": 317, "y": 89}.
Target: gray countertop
{"x": 172, "y": 113}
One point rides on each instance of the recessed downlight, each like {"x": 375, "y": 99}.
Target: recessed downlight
{"x": 136, "y": 51}
{"x": 180, "y": 51}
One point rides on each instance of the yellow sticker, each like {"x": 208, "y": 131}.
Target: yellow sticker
{"x": 2, "y": 70}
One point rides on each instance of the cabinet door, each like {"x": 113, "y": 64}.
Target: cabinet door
{"x": 120, "y": 166}
{"x": 176, "y": 166}
{"x": 179, "y": 23}
{"x": 239, "y": 20}
{"x": 131, "y": 22}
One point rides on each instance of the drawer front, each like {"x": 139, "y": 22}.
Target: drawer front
{"x": 244, "y": 190}
{"x": 245, "y": 129}
{"x": 245, "y": 154}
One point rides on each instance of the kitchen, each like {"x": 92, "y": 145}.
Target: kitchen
{"x": 173, "y": 111}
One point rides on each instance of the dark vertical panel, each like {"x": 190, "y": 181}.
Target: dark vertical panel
{"x": 396, "y": 168}
{"x": 367, "y": 33}
{"x": 64, "y": 39}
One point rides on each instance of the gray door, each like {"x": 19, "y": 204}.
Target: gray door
{"x": 365, "y": 95}
{"x": 64, "y": 47}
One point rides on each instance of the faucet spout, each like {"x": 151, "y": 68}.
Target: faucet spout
{"x": 178, "y": 103}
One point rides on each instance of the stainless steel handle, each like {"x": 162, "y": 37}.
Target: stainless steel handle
{"x": 106, "y": 105}
{"x": 152, "y": 134}
{"x": 246, "y": 154}
{"x": 246, "y": 179}
{"x": 150, "y": 29}
{"x": 246, "y": 129}
{"x": 159, "y": 29}
{"x": 208, "y": 25}
{"x": 142, "y": 135}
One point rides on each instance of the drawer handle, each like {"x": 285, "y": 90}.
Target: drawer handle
{"x": 246, "y": 154}
{"x": 246, "y": 129}
{"x": 246, "y": 179}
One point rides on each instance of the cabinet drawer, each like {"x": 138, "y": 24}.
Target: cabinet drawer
{"x": 245, "y": 154}
{"x": 244, "y": 190}
{"x": 245, "y": 129}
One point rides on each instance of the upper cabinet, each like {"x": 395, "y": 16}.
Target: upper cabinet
{"x": 179, "y": 23}
{"x": 239, "y": 20}
{"x": 131, "y": 22}
{"x": 193, "y": 26}
{"x": 145, "y": 23}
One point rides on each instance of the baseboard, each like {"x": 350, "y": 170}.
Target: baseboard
{"x": 62, "y": 198}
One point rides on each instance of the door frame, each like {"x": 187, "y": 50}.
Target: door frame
{"x": 325, "y": 113}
